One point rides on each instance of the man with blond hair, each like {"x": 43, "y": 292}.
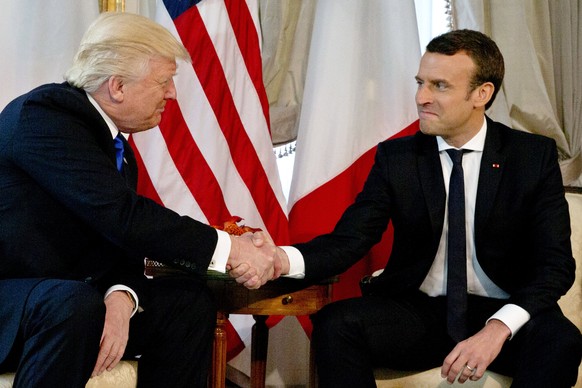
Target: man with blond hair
{"x": 74, "y": 233}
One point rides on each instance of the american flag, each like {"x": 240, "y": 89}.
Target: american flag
{"x": 211, "y": 157}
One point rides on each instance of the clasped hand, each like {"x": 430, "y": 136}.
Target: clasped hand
{"x": 255, "y": 259}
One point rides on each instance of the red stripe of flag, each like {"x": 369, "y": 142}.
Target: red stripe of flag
{"x": 248, "y": 43}
{"x": 145, "y": 185}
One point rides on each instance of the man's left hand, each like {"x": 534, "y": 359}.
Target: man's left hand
{"x": 118, "y": 310}
{"x": 471, "y": 357}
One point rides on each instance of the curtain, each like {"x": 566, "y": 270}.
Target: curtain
{"x": 542, "y": 90}
{"x": 287, "y": 27}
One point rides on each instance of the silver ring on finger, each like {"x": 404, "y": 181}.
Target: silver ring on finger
{"x": 472, "y": 370}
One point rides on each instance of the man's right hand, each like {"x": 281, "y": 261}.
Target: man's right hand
{"x": 253, "y": 264}
{"x": 262, "y": 238}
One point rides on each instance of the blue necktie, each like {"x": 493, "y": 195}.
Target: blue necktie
{"x": 457, "y": 252}
{"x": 118, "y": 144}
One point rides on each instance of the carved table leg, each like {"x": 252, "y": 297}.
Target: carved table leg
{"x": 218, "y": 372}
{"x": 259, "y": 346}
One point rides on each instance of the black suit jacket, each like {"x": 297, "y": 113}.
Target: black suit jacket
{"x": 522, "y": 228}
{"x": 66, "y": 212}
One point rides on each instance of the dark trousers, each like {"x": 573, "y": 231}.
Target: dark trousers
{"x": 353, "y": 336}
{"x": 58, "y": 341}
{"x": 59, "y": 334}
{"x": 174, "y": 334}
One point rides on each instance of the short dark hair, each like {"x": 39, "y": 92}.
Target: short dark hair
{"x": 489, "y": 66}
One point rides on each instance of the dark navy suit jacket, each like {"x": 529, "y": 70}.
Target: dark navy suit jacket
{"x": 67, "y": 213}
{"x": 522, "y": 228}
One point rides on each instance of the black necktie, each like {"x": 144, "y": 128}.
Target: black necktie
{"x": 457, "y": 252}
{"x": 118, "y": 144}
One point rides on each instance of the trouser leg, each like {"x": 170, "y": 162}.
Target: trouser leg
{"x": 174, "y": 334}
{"x": 59, "y": 336}
{"x": 546, "y": 352}
{"x": 350, "y": 337}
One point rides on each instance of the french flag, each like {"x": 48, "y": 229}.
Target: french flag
{"x": 359, "y": 91}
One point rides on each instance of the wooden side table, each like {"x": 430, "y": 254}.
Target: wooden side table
{"x": 287, "y": 297}
{"x": 279, "y": 297}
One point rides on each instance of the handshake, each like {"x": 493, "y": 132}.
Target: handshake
{"x": 255, "y": 259}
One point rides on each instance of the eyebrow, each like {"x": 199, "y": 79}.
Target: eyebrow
{"x": 432, "y": 82}
{"x": 440, "y": 81}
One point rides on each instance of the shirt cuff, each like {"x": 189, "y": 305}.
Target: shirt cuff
{"x": 513, "y": 316}
{"x": 296, "y": 263}
{"x": 121, "y": 287}
{"x": 221, "y": 253}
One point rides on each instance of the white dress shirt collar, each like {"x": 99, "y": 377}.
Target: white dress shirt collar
{"x": 112, "y": 127}
{"x": 477, "y": 142}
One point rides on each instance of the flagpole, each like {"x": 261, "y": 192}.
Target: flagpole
{"x": 112, "y": 5}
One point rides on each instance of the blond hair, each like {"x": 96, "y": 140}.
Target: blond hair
{"x": 121, "y": 44}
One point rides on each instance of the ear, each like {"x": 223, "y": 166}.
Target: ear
{"x": 115, "y": 85}
{"x": 482, "y": 94}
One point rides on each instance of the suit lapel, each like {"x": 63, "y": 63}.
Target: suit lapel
{"x": 103, "y": 135}
{"x": 431, "y": 178}
{"x": 100, "y": 130}
{"x": 490, "y": 173}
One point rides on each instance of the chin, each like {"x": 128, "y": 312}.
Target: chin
{"x": 152, "y": 123}
{"x": 424, "y": 128}
{"x": 428, "y": 129}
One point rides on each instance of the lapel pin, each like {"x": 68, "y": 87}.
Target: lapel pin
{"x": 495, "y": 165}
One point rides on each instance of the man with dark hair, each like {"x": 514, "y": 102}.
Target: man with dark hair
{"x": 481, "y": 249}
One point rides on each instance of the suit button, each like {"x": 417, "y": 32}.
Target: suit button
{"x": 187, "y": 264}
{"x": 88, "y": 279}
{"x": 182, "y": 262}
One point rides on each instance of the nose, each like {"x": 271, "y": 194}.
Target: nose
{"x": 423, "y": 95}
{"x": 171, "y": 93}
